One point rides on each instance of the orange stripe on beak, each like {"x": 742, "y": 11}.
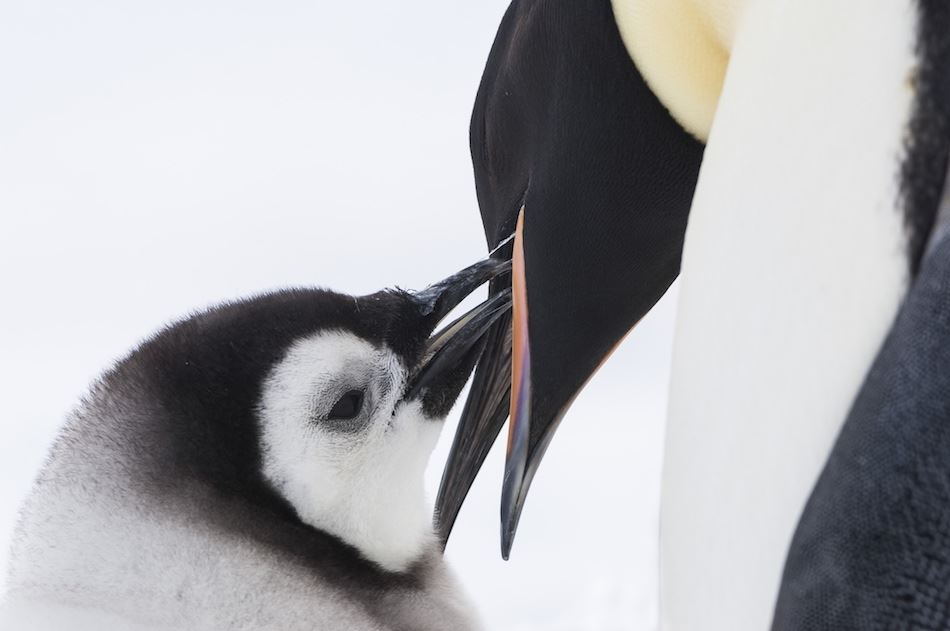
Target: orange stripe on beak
{"x": 520, "y": 347}
{"x": 519, "y": 424}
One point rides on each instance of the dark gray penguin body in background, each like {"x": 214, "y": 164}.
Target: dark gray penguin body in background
{"x": 872, "y": 550}
{"x": 259, "y": 466}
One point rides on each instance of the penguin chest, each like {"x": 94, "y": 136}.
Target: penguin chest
{"x": 793, "y": 268}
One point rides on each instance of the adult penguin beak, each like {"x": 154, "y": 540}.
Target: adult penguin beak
{"x": 564, "y": 322}
{"x": 518, "y": 471}
{"x": 507, "y": 392}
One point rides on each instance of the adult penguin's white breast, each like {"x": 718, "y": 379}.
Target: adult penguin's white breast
{"x": 794, "y": 265}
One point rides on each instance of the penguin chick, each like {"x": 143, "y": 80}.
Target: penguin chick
{"x": 260, "y": 466}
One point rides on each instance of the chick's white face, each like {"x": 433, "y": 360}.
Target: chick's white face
{"x": 344, "y": 450}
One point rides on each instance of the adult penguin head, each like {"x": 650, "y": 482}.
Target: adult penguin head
{"x": 575, "y": 155}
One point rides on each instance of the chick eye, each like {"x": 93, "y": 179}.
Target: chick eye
{"x": 347, "y": 407}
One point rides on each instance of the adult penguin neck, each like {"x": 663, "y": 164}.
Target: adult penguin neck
{"x": 682, "y": 49}
{"x": 794, "y": 266}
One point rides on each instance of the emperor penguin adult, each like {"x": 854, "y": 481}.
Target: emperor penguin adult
{"x": 259, "y": 465}
{"x": 787, "y": 158}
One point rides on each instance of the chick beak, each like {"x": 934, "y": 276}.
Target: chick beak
{"x": 436, "y": 301}
{"x": 448, "y": 356}
{"x": 456, "y": 344}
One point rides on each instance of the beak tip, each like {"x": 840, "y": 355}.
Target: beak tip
{"x": 510, "y": 514}
{"x": 507, "y": 538}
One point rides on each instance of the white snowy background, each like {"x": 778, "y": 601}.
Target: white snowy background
{"x": 157, "y": 157}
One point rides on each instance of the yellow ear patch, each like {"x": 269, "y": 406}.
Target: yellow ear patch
{"x": 681, "y": 47}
